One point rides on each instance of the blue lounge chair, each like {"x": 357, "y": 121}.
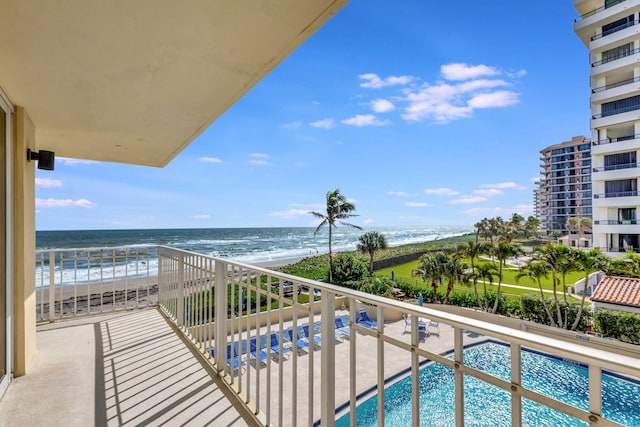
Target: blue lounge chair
{"x": 342, "y": 329}
{"x": 257, "y": 353}
{"x": 275, "y": 346}
{"x": 422, "y": 327}
{"x": 432, "y": 326}
{"x": 234, "y": 358}
{"x": 302, "y": 344}
{"x": 364, "y": 320}
{"x": 310, "y": 336}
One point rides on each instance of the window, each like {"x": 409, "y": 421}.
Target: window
{"x": 627, "y": 215}
{"x": 617, "y": 53}
{"x": 620, "y": 160}
{"x": 621, "y": 188}
{"x": 621, "y": 106}
{"x": 618, "y": 25}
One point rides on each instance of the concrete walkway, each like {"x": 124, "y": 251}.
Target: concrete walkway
{"x": 112, "y": 370}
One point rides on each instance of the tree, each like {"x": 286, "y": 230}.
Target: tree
{"x": 454, "y": 271}
{"x": 531, "y": 226}
{"x": 536, "y": 269}
{"x": 338, "y": 209}
{"x": 502, "y": 252}
{"x": 369, "y": 243}
{"x": 473, "y": 250}
{"x": 588, "y": 262}
{"x": 559, "y": 259}
{"x": 482, "y": 229}
{"x": 429, "y": 269}
{"x": 485, "y": 273}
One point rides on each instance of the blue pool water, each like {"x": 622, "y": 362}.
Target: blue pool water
{"x": 489, "y": 405}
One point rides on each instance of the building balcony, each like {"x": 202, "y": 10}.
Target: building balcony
{"x": 613, "y": 172}
{"x": 623, "y": 198}
{"x": 615, "y": 226}
{"x": 623, "y": 143}
{"x": 623, "y": 115}
{"x": 627, "y": 59}
{"x": 615, "y": 36}
{"x": 615, "y": 90}
{"x": 183, "y": 340}
{"x": 593, "y": 15}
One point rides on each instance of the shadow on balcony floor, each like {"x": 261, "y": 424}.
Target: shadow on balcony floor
{"x": 120, "y": 369}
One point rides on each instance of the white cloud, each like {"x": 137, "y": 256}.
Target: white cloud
{"x": 410, "y": 217}
{"x": 310, "y": 206}
{"x": 361, "y": 120}
{"x": 368, "y": 221}
{"x": 441, "y": 191}
{"x": 468, "y": 89}
{"x": 400, "y": 194}
{"x": 322, "y": 124}
{"x": 468, "y": 200}
{"x": 535, "y": 179}
{"x": 461, "y": 71}
{"x": 65, "y": 203}
{"x": 523, "y": 210}
{"x": 489, "y": 192}
{"x": 48, "y": 183}
{"x": 259, "y": 156}
{"x": 382, "y": 105}
{"x": 417, "y": 204}
{"x": 501, "y": 98}
{"x": 201, "y": 216}
{"x": 210, "y": 159}
{"x": 289, "y": 214}
{"x": 504, "y": 186}
{"x": 73, "y": 162}
{"x": 373, "y": 81}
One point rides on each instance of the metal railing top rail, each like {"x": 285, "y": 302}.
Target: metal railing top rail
{"x": 615, "y": 194}
{"x": 617, "y": 111}
{"x": 97, "y": 248}
{"x": 618, "y": 139}
{"x": 600, "y": 9}
{"x": 575, "y": 351}
{"x": 615, "y": 57}
{"x": 616, "y": 222}
{"x": 616, "y": 167}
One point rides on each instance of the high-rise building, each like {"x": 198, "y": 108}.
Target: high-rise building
{"x": 609, "y": 29}
{"x": 564, "y": 189}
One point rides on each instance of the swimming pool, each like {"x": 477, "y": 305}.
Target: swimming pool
{"x": 486, "y": 404}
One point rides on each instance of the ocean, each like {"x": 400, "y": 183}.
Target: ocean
{"x": 263, "y": 246}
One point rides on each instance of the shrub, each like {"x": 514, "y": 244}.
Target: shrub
{"x": 377, "y": 286}
{"x": 347, "y": 268}
{"x": 533, "y": 310}
{"x": 620, "y": 325}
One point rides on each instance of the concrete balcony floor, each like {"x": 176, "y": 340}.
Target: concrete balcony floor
{"x": 128, "y": 368}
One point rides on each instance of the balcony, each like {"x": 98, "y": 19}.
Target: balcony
{"x": 615, "y": 167}
{"x": 597, "y": 10}
{"x": 137, "y": 361}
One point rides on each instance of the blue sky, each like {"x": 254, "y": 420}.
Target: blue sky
{"x": 421, "y": 112}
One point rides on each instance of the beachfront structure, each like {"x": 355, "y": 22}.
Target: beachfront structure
{"x": 137, "y": 85}
{"x": 609, "y": 29}
{"x": 617, "y": 293}
{"x": 564, "y": 189}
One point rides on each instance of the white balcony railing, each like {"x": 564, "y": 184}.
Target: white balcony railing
{"x": 215, "y": 304}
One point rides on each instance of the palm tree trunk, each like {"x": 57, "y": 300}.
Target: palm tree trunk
{"x": 544, "y": 304}
{"x": 370, "y": 264}
{"x": 584, "y": 294}
{"x": 434, "y": 284}
{"x": 555, "y": 298}
{"x": 330, "y": 257}
{"x": 449, "y": 289}
{"x": 495, "y": 304}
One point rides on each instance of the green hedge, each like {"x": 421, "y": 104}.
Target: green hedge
{"x": 533, "y": 310}
{"x": 620, "y": 325}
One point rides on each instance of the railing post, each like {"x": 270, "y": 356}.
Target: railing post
{"x": 328, "y": 360}
{"x": 161, "y": 292}
{"x": 516, "y": 381}
{"x": 220, "y": 315}
{"x": 458, "y": 376}
{"x": 52, "y": 286}
{"x": 180, "y": 290}
{"x": 595, "y": 393}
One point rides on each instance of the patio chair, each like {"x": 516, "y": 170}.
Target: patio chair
{"x": 317, "y": 341}
{"x": 422, "y": 327}
{"x": 366, "y": 321}
{"x": 258, "y": 354}
{"x": 433, "y": 326}
{"x": 274, "y": 345}
{"x": 301, "y": 343}
{"x": 342, "y": 329}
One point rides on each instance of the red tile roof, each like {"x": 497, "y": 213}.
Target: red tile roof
{"x": 618, "y": 290}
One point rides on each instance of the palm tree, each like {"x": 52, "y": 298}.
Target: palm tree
{"x": 588, "y": 262}
{"x": 454, "y": 271}
{"x": 555, "y": 257}
{"x": 338, "y": 209}
{"x": 536, "y": 269}
{"x": 473, "y": 250}
{"x": 429, "y": 269}
{"x": 531, "y": 226}
{"x": 503, "y": 251}
{"x": 369, "y": 243}
{"x": 485, "y": 273}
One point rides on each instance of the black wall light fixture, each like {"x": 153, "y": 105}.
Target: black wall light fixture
{"x": 46, "y": 159}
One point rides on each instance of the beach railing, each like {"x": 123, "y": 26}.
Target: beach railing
{"x": 76, "y": 282}
{"x": 220, "y": 306}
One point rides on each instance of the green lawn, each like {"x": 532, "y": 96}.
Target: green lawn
{"x": 509, "y": 277}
